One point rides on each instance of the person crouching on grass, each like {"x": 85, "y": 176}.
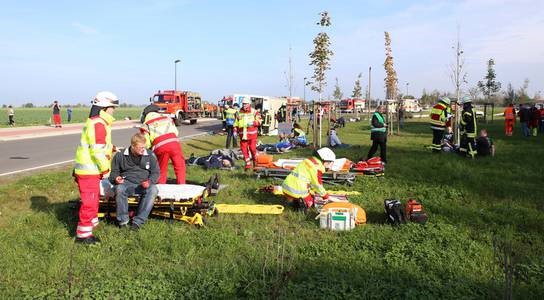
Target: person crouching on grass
{"x": 135, "y": 171}
{"x": 307, "y": 176}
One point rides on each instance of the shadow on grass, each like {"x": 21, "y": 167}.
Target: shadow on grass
{"x": 66, "y": 213}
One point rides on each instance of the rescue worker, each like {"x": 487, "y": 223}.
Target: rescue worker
{"x": 440, "y": 119}
{"x": 223, "y": 116}
{"x": 93, "y": 162}
{"x": 468, "y": 129}
{"x": 282, "y": 114}
{"x": 378, "y": 134}
{"x": 161, "y": 136}
{"x": 267, "y": 121}
{"x": 509, "y": 119}
{"x": 246, "y": 124}
{"x": 229, "y": 115}
{"x": 299, "y": 135}
{"x": 307, "y": 178}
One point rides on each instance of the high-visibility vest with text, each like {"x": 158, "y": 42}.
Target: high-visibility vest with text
{"x": 305, "y": 177}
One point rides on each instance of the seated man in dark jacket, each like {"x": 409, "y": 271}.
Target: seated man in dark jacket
{"x": 214, "y": 161}
{"x": 135, "y": 171}
{"x": 484, "y": 144}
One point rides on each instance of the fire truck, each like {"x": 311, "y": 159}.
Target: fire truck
{"x": 179, "y": 105}
{"x": 352, "y": 105}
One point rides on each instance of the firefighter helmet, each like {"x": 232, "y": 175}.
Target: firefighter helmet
{"x": 465, "y": 99}
{"x": 445, "y": 100}
{"x": 106, "y": 99}
{"x": 150, "y": 108}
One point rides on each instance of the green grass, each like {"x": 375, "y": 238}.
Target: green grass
{"x": 478, "y": 210}
{"x": 42, "y": 116}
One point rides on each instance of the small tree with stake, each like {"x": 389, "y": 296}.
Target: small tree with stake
{"x": 357, "y": 92}
{"x": 490, "y": 86}
{"x": 320, "y": 59}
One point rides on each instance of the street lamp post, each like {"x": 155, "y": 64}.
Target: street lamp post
{"x": 176, "y": 74}
{"x": 407, "y": 84}
{"x": 305, "y": 88}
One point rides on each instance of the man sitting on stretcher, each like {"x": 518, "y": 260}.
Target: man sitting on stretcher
{"x": 307, "y": 176}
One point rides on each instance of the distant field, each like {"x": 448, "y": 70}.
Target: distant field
{"x": 42, "y": 116}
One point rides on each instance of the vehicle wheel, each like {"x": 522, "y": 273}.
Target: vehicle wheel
{"x": 192, "y": 122}
{"x": 179, "y": 120}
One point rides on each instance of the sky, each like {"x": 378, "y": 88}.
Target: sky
{"x": 70, "y": 50}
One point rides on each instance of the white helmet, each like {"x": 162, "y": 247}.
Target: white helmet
{"x": 106, "y": 99}
{"x": 326, "y": 154}
{"x": 246, "y": 101}
{"x": 445, "y": 100}
{"x": 226, "y": 106}
{"x": 465, "y": 99}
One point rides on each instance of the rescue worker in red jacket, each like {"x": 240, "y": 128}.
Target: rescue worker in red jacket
{"x": 246, "y": 126}
{"x": 93, "y": 162}
{"x": 440, "y": 120}
{"x": 307, "y": 178}
{"x": 509, "y": 119}
{"x": 162, "y": 137}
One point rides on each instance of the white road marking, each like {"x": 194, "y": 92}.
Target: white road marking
{"x": 35, "y": 168}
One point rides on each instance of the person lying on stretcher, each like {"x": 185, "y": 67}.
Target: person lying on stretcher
{"x": 307, "y": 178}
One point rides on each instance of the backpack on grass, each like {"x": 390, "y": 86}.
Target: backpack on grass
{"x": 414, "y": 212}
{"x": 394, "y": 211}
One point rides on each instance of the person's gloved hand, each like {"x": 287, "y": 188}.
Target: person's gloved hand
{"x": 145, "y": 184}
{"x": 119, "y": 180}
{"x": 235, "y": 133}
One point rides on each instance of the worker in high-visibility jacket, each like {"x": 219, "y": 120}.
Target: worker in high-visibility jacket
{"x": 246, "y": 126}
{"x": 307, "y": 178}
{"x": 162, "y": 137}
{"x": 93, "y": 162}
{"x": 468, "y": 129}
{"x": 267, "y": 121}
{"x": 299, "y": 135}
{"x": 229, "y": 115}
{"x": 509, "y": 119}
{"x": 440, "y": 120}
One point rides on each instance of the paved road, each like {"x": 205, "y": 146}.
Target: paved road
{"x": 19, "y": 156}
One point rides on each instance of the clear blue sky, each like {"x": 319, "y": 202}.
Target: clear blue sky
{"x": 69, "y": 50}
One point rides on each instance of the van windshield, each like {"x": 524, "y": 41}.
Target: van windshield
{"x": 163, "y": 98}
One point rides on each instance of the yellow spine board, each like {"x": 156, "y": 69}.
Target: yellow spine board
{"x": 249, "y": 209}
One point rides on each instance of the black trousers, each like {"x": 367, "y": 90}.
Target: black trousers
{"x": 230, "y": 137}
{"x": 383, "y": 147}
{"x": 437, "y": 140}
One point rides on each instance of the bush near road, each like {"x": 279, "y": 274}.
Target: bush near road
{"x": 480, "y": 211}
{"x": 42, "y": 116}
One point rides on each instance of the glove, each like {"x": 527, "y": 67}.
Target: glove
{"x": 119, "y": 180}
{"x": 325, "y": 197}
{"x": 145, "y": 184}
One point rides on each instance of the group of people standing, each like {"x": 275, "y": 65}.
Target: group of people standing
{"x": 135, "y": 170}
{"x": 530, "y": 117}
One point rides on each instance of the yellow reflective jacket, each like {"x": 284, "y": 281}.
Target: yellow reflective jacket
{"x": 440, "y": 115}
{"x": 247, "y": 121}
{"x": 93, "y": 154}
{"x": 306, "y": 176}
{"x": 159, "y": 130}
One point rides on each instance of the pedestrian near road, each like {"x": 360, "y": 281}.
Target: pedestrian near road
{"x": 135, "y": 171}
{"x": 161, "y": 137}
{"x": 11, "y": 116}
{"x": 92, "y": 163}
{"x": 378, "y": 134}
{"x": 56, "y": 114}
{"x": 69, "y": 114}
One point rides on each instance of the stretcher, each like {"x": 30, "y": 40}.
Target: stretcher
{"x": 339, "y": 172}
{"x": 182, "y": 202}
{"x": 373, "y": 166}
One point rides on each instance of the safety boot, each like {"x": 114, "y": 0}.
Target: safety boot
{"x": 88, "y": 240}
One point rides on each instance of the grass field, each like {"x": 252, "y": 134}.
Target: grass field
{"x": 42, "y": 116}
{"x": 480, "y": 212}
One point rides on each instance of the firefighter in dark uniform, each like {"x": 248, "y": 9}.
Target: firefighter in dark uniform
{"x": 267, "y": 120}
{"x": 468, "y": 129}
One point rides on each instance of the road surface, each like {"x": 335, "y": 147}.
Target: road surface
{"x": 25, "y": 155}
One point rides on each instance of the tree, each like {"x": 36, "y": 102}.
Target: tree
{"x": 28, "y": 105}
{"x": 320, "y": 59}
{"x": 357, "y": 88}
{"x": 391, "y": 75}
{"x": 523, "y": 97}
{"x": 490, "y": 86}
{"x": 337, "y": 94}
{"x": 510, "y": 96}
{"x": 474, "y": 93}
